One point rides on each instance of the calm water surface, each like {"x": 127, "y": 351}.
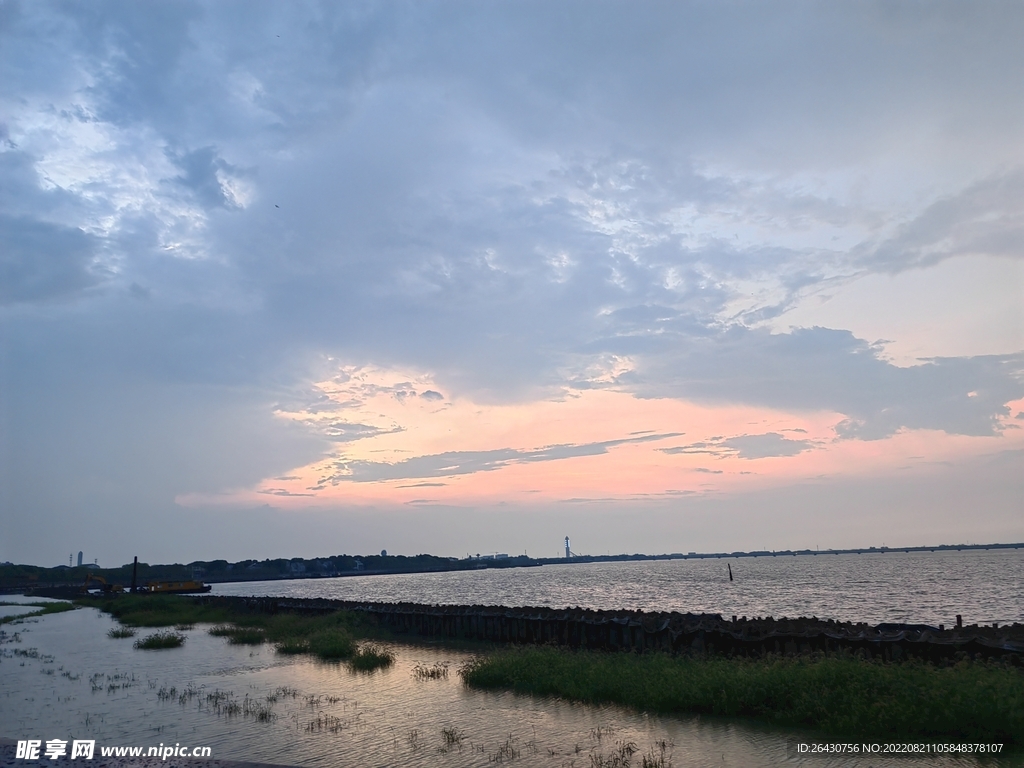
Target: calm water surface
{"x": 62, "y": 677}
{"x": 15, "y": 610}
{"x": 918, "y": 587}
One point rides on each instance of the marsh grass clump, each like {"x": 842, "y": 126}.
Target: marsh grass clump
{"x": 658, "y": 756}
{"x": 223, "y": 703}
{"x": 260, "y": 711}
{"x": 282, "y": 691}
{"x": 118, "y": 633}
{"x": 160, "y": 640}
{"x": 329, "y": 636}
{"x": 371, "y": 657}
{"x": 842, "y": 695}
{"x": 332, "y": 645}
{"x": 506, "y": 751}
{"x": 292, "y": 646}
{"x": 166, "y": 694}
{"x": 413, "y": 740}
{"x": 239, "y": 635}
{"x": 188, "y": 693}
{"x": 451, "y": 738}
{"x": 437, "y": 671}
{"x": 620, "y": 757}
{"x": 325, "y": 722}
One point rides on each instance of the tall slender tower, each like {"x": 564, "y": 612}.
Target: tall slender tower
{"x": 568, "y": 554}
{"x": 79, "y": 558}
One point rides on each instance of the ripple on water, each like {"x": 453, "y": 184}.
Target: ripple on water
{"x": 79, "y": 683}
{"x": 916, "y": 587}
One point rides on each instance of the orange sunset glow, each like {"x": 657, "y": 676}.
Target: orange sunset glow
{"x": 632, "y": 448}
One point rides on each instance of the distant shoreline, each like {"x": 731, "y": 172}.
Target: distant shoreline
{"x": 51, "y": 577}
{"x": 527, "y": 562}
{"x": 782, "y": 553}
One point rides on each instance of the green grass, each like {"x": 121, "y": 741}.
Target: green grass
{"x": 331, "y": 644}
{"x": 156, "y": 610}
{"x": 160, "y": 640}
{"x": 239, "y": 635}
{"x": 293, "y": 646}
{"x": 120, "y": 632}
{"x": 971, "y": 701}
{"x": 44, "y": 610}
{"x": 371, "y": 657}
{"x": 331, "y": 637}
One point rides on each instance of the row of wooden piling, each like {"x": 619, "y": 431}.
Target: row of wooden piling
{"x": 640, "y": 631}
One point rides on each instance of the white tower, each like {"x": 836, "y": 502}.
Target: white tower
{"x": 568, "y": 553}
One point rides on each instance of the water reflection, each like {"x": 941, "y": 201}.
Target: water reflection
{"x": 64, "y": 678}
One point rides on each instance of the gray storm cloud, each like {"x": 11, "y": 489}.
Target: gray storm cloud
{"x": 201, "y": 201}
{"x": 468, "y": 462}
{"x": 763, "y": 446}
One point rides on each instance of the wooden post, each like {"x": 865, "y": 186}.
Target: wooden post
{"x": 730, "y": 571}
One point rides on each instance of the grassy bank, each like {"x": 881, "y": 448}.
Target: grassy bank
{"x": 969, "y": 701}
{"x": 43, "y": 610}
{"x": 331, "y": 637}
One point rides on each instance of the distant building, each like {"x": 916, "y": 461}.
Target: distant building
{"x": 79, "y": 558}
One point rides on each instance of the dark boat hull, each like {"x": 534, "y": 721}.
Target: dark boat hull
{"x": 175, "y": 588}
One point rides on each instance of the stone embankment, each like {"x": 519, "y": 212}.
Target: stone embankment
{"x": 670, "y": 632}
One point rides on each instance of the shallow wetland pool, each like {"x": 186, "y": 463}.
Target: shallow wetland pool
{"x": 64, "y": 678}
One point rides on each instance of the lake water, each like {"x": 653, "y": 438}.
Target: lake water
{"x": 15, "y": 610}
{"x": 917, "y": 587}
{"x": 62, "y": 677}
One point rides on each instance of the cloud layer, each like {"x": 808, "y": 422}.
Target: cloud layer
{"x": 207, "y": 208}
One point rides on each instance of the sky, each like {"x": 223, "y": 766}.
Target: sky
{"x": 302, "y": 279}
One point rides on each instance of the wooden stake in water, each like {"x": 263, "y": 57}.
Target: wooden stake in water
{"x": 730, "y": 571}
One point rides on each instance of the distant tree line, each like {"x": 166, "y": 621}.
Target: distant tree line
{"x": 20, "y": 577}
